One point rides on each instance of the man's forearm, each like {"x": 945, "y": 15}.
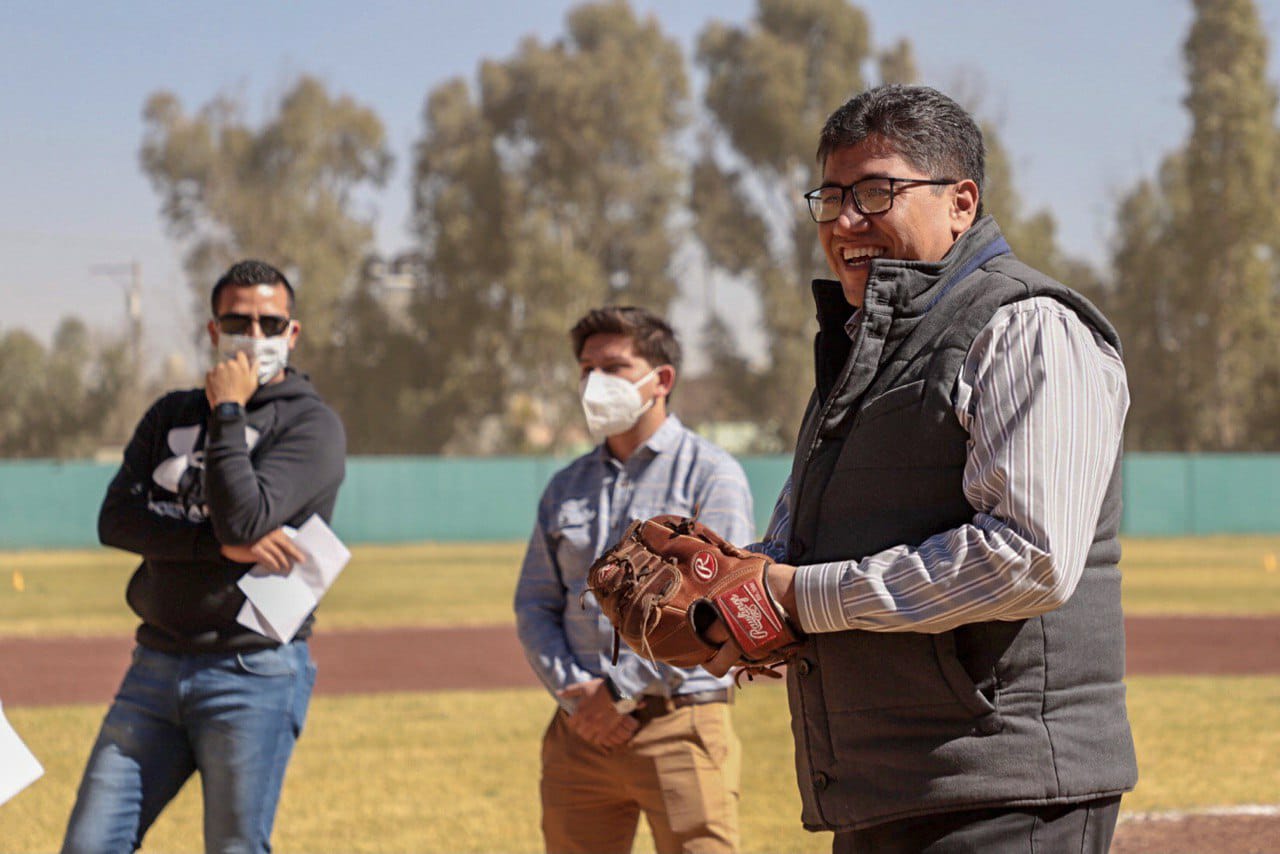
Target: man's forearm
{"x": 126, "y": 523}
{"x": 977, "y": 572}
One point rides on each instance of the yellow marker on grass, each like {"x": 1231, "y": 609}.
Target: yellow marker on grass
{"x": 1269, "y": 562}
{"x": 19, "y": 583}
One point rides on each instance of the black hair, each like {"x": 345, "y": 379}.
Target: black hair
{"x": 247, "y": 273}
{"x": 922, "y": 125}
{"x": 652, "y": 337}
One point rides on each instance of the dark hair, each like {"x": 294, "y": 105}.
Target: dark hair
{"x": 653, "y": 339}
{"x": 247, "y": 273}
{"x": 922, "y": 125}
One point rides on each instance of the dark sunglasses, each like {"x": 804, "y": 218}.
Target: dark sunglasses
{"x": 242, "y": 324}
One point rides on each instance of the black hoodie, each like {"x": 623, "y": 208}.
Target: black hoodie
{"x": 192, "y": 481}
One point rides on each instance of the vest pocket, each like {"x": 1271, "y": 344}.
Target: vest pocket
{"x": 957, "y": 677}
{"x": 863, "y": 671}
{"x": 891, "y": 400}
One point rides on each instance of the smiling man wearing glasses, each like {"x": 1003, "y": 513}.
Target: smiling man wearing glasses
{"x": 948, "y": 536}
{"x": 210, "y": 479}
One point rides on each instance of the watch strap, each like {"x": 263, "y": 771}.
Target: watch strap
{"x": 622, "y": 703}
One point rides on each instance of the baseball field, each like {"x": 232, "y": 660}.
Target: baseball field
{"x": 424, "y": 733}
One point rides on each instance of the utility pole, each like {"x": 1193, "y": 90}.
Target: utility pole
{"x": 130, "y": 276}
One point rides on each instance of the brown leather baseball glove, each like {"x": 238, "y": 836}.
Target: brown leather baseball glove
{"x": 665, "y": 583}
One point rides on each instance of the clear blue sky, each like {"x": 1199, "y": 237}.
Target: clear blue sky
{"x": 1088, "y": 96}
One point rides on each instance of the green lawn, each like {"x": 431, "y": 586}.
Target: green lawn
{"x": 1202, "y": 575}
{"x": 458, "y": 771}
{"x": 82, "y": 592}
{"x": 432, "y": 584}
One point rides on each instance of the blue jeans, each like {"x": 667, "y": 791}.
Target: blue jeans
{"x": 233, "y": 717}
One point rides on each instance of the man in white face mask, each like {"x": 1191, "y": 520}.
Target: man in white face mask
{"x": 209, "y": 482}
{"x": 613, "y": 403}
{"x": 629, "y": 736}
{"x": 254, "y": 321}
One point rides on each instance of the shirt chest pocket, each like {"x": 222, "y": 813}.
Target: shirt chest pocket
{"x": 662, "y": 505}
{"x": 575, "y": 545}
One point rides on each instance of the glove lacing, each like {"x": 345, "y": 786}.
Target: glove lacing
{"x": 621, "y": 585}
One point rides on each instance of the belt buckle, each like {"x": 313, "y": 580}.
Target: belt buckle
{"x": 653, "y": 706}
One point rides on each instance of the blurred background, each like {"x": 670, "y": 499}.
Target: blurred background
{"x": 451, "y": 185}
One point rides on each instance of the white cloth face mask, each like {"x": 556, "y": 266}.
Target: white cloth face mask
{"x": 272, "y": 353}
{"x": 612, "y": 404}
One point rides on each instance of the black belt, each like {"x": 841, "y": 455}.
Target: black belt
{"x": 654, "y": 706}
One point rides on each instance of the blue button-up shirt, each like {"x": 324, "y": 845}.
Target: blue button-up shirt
{"x": 585, "y": 509}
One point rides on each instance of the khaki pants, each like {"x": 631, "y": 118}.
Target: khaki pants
{"x": 682, "y": 769}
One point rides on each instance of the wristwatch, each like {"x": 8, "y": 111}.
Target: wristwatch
{"x": 228, "y": 410}
{"x": 623, "y": 704}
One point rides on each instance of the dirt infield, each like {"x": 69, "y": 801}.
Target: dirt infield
{"x": 46, "y": 671}
{"x": 1254, "y": 831}
{"x": 88, "y": 670}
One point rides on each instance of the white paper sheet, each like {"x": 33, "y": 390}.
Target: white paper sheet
{"x": 19, "y": 767}
{"x": 277, "y": 605}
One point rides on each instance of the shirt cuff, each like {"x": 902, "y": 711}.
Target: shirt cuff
{"x": 775, "y": 550}
{"x": 817, "y": 589}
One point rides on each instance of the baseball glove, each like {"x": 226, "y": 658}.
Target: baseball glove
{"x": 665, "y": 583}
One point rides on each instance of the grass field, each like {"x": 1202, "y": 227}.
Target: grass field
{"x": 434, "y": 584}
{"x": 458, "y": 771}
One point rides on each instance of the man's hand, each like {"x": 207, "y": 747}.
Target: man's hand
{"x": 276, "y": 552}
{"x": 594, "y": 718}
{"x": 232, "y": 381}
{"x": 782, "y": 583}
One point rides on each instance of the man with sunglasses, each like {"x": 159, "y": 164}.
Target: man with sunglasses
{"x": 210, "y": 480}
{"x": 948, "y": 536}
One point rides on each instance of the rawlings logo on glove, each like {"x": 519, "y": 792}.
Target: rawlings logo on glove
{"x": 667, "y": 582}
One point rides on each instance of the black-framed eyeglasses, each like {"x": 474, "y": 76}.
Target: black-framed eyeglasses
{"x": 872, "y": 195}
{"x": 242, "y": 324}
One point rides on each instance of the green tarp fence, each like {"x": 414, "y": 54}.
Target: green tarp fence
{"x": 48, "y": 504}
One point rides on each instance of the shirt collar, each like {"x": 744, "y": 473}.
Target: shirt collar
{"x": 665, "y": 438}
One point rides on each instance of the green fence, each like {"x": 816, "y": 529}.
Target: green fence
{"x": 407, "y": 499}
{"x": 1173, "y": 494}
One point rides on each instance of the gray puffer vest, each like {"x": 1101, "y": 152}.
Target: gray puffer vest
{"x": 890, "y": 725}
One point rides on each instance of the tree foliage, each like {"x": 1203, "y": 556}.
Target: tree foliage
{"x": 285, "y": 191}
{"x": 560, "y": 177}
{"x": 1147, "y": 311}
{"x": 1196, "y": 273}
{"x": 58, "y": 402}
{"x": 770, "y": 86}
{"x": 550, "y": 187}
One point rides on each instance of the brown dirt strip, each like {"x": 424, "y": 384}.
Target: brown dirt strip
{"x": 1197, "y": 834}
{"x": 49, "y": 671}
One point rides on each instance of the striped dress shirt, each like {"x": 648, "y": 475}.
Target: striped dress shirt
{"x": 1043, "y": 398}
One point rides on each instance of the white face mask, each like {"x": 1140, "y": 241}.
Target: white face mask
{"x": 272, "y": 353}
{"x": 612, "y": 404}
